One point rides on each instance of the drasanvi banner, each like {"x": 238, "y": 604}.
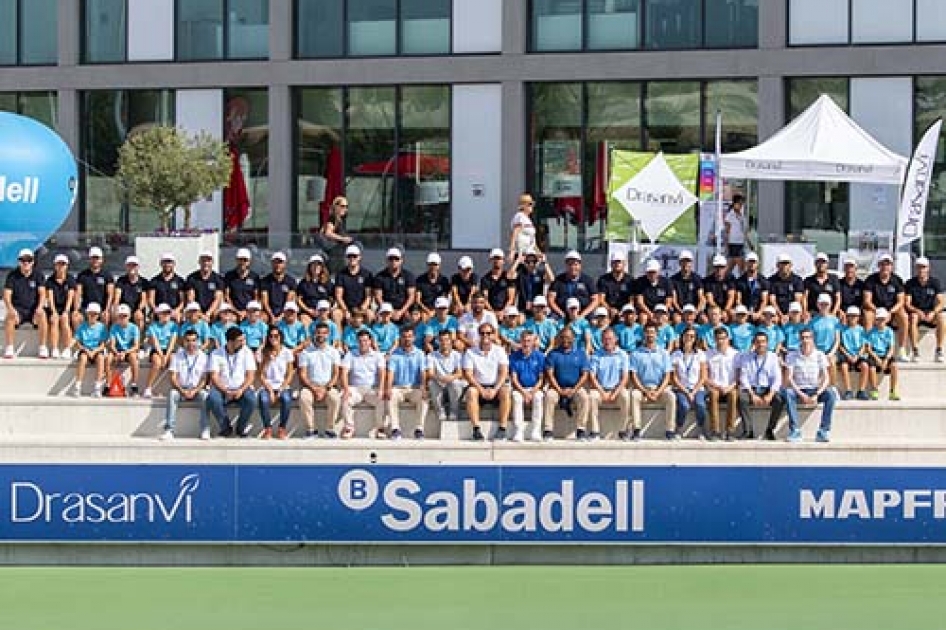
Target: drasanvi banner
{"x": 625, "y": 166}
{"x": 473, "y": 504}
{"x": 916, "y": 188}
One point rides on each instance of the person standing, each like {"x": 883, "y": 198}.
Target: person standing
{"x": 616, "y": 287}
{"x": 735, "y": 229}
{"x": 687, "y": 285}
{"x": 752, "y": 289}
{"x": 362, "y": 377}
{"x": 406, "y": 381}
{"x": 650, "y": 378}
{"x": 319, "y": 366}
{"x": 189, "y": 369}
{"x": 653, "y": 290}
{"x": 24, "y": 295}
{"x": 819, "y": 283}
{"x": 496, "y": 285}
{"x": 527, "y": 375}
{"x": 315, "y": 287}
{"x": 463, "y": 286}
{"x": 232, "y": 373}
{"x": 485, "y": 369}
{"x": 809, "y": 383}
{"x": 607, "y": 383}
{"x": 718, "y": 288}
{"x": 132, "y": 290}
{"x": 530, "y": 273}
{"x": 431, "y": 286}
{"x": 760, "y": 381}
{"x": 850, "y": 286}
{"x": 522, "y": 230}
{"x": 353, "y": 286}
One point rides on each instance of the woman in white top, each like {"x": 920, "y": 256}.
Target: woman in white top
{"x": 689, "y": 379}
{"x": 522, "y": 239}
{"x": 276, "y": 372}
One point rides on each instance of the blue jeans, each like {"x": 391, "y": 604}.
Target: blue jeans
{"x": 684, "y": 406}
{"x": 216, "y": 405}
{"x": 828, "y": 397}
{"x": 174, "y": 401}
{"x": 266, "y": 405}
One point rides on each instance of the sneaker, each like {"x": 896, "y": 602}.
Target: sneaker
{"x": 894, "y": 396}
{"x": 245, "y": 432}
{"x": 56, "y": 354}
{"x": 594, "y": 436}
{"x": 379, "y": 434}
{"x": 43, "y": 352}
{"x": 672, "y": 436}
{"x": 418, "y": 434}
{"x": 451, "y": 417}
{"x": 714, "y": 437}
{"x": 823, "y": 436}
{"x": 9, "y": 353}
{"x": 77, "y": 390}
{"x": 916, "y": 355}
{"x": 311, "y": 435}
{"x": 748, "y": 435}
{"x": 328, "y": 434}
{"x": 580, "y": 435}
{"x": 863, "y": 395}
{"x": 904, "y": 355}
{"x": 281, "y": 434}
{"x": 636, "y": 435}
{"x": 477, "y": 435}
{"x": 148, "y": 393}
{"x": 66, "y": 355}
{"x": 226, "y": 432}
{"x": 500, "y": 435}
{"x": 442, "y": 415}
{"x": 794, "y": 437}
{"x": 769, "y": 435}
{"x": 266, "y": 434}
{"x": 624, "y": 436}
{"x": 848, "y": 395}
{"x": 536, "y": 435}
{"x": 396, "y": 434}
{"x": 167, "y": 435}
{"x": 729, "y": 437}
{"x": 874, "y": 395}
{"x": 938, "y": 357}
{"x": 518, "y": 433}
{"x": 205, "y": 434}
{"x": 97, "y": 389}
{"x": 133, "y": 390}
{"x": 547, "y": 436}
{"x": 348, "y": 432}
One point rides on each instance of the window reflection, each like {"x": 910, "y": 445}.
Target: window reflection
{"x": 246, "y": 129}
{"x": 930, "y": 104}
{"x": 105, "y": 31}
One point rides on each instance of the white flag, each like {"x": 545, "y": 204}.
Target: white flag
{"x": 916, "y": 188}
{"x": 655, "y": 197}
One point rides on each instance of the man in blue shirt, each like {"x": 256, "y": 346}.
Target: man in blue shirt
{"x": 567, "y": 371}
{"x": 650, "y": 378}
{"x": 526, "y": 372}
{"x": 607, "y": 382}
{"x": 406, "y": 381}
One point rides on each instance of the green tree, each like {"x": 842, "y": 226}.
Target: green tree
{"x": 165, "y": 169}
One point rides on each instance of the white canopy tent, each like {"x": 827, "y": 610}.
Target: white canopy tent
{"x": 822, "y": 144}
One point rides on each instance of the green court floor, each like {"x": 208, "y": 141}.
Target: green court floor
{"x": 905, "y": 597}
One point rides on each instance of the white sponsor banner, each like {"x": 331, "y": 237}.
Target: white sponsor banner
{"x": 655, "y": 197}
{"x": 916, "y": 188}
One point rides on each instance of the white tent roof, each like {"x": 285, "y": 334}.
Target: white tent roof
{"x": 822, "y": 144}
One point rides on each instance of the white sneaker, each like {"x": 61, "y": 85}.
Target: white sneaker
{"x": 167, "y": 435}
{"x": 442, "y": 415}
{"x": 97, "y": 389}
{"x": 148, "y": 393}
{"x": 56, "y": 354}
{"x": 43, "y": 352}
{"x": 536, "y": 435}
{"x": 205, "y": 434}
{"x": 66, "y": 354}
{"x": 518, "y": 433}
{"x": 451, "y": 417}
{"x": 77, "y": 390}
{"x": 9, "y": 353}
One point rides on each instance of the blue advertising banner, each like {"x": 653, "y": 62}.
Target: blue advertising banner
{"x": 472, "y": 504}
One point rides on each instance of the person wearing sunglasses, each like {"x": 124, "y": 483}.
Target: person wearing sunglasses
{"x": 276, "y": 369}
{"x": 486, "y": 369}
{"x": 24, "y": 295}
{"x": 335, "y": 231}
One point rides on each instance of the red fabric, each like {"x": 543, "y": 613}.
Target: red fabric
{"x": 599, "y": 208}
{"x": 334, "y": 184}
{"x": 572, "y": 208}
{"x": 407, "y": 165}
{"x": 236, "y": 201}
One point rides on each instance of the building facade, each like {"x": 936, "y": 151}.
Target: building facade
{"x": 433, "y": 115}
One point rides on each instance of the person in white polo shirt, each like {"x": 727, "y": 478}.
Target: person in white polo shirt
{"x": 362, "y": 377}
{"x": 808, "y": 381}
{"x": 232, "y": 372}
{"x": 189, "y": 368}
{"x": 319, "y": 366}
{"x": 445, "y": 377}
{"x": 486, "y": 368}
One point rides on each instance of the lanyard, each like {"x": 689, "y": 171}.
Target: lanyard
{"x": 232, "y": 364}
{"x": 191, "y": 367}
{"x": 688, "y": 365}
{"x": 759, "y": 371}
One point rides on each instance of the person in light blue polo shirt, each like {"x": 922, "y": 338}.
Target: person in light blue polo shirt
{"x": 881, "y": 354}
{"x": 406, "y": 381}
{"x": 527, "y": 374}
{"x": 650, "y": 376}
{"x": 666, "y": 334}
{"x": 162, "y": 335}
{"x": 442, "y": 320}
{"x": 90, "y": 338}
{"x": 124, "y": 340}
{"x": 253, "y": 327}
{"x": 385, "y": 331}
{"x": 741, "y": 331}
{"x": 827, "y": 331}
{"x": 566, "y": 370}
{"x": 293, "y": 330}
{"x": 607, "y": 382}
{"x": 629, "y": 332}
{"x": 791, "y": 330}
{"x": 194, "y": 320}
{"x": 544, "y": 327}
{"x": 773, "y": 332}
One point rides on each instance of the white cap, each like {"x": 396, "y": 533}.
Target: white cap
{"x": 93, "y": 307}
{"x": 291, "y": 306}
{"x": 386, "y": 308}
{"x": 225, "y": 307}
{"x": 25, "y": 252}
{"x": 60, "y": 258}
{"x": 254, "y": 305}
{"x": 192, "y": 306}
{"x": 685, "y": 255}
{"x": 689, "y": 308}
{"x": 600, "y": 312}
{"x": 132, "y": 260}
{"x": 618, "y": 255}
{"x": 660, "y": 308}
{"x": 822, "y": 257}
{"x": 719, "y": 260}
{"x": 442, "y": 302}
{"x": 496, "y": 253}
{"x": 352, "y": 250}
{"x": 784, "y": 258}
{"x": 95, "y": 252}
{"x": 465, "y": 262}
{"x": 628, "y": 308}
{"x": 795, "y": 307}
{"x": 572, "y": 303}
{"x": 922, "y": 261}
{"x": 824, "y": 298}
{"x": 572, "y": 255}
{"x": 540, "y": 300}
{"x": 652, "y": 265}
{"x": 205, "y": 254}
{"x": 741, "y": 310}
{"x": 752, "y": 257}
{"x": 853, "y": 310}
{"x": 882, "y": 313}
{"x": 316, "y": 258}
{"x": 885, "y": 258}
{"x": 244, "y": 254}
{"x": 163, "y": 307}
{"x": 512, "y": 311}
{"x": 849, "y": 260}
{"x": 323, "y": 305}
{"x": 278, "y": 256}
{"x": 394, "y": 252}
{"x": 770, "y": 310}
{"x": 124, "y": 309}
{"x": 433, "y": 258}
{"x": 168, "y": 257}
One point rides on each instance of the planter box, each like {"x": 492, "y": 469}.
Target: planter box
{"x": 186, "y": 249}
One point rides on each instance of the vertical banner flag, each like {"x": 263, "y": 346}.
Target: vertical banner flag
{"x": 916, "y": 188}
{"x": 625, "y": 166}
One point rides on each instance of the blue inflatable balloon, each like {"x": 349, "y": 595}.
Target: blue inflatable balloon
{"x": 38, "y": 184}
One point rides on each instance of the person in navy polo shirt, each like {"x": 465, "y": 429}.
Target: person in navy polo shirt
{"x": 572, "y": 283}
{"x": 167, "y": 288}
{"x": 277, "y": 289}
{"x": 616, "y": 287}
{"x": 205, "y": 286}
{"x": 566, "y": 370}
{"x": 527, "y": 373}
{"x": 885, "y": 289}
{"x": 650, "y": 376}
{"x": 752, "y": 289}
{"x": 718, "y": 289}
{"x": 24, "y": 295}
{"x": 241, "y": 284}
{"x": 395, "y": 285}
{"x": 850, "y": 286}
{"x": 652, "y": 289}
{"x": 132, "y": 290}
{"x": 687, "y": 286}
{"x": 819, "y": 283}
{"x": 530, "y": 273}
{"x": 432, "y": 285}
{"x": 785, "y": 287}
{"x": 353, "y": 285}
{"x": 495, "y": 284}
{"x": 94, "y": 284}
{"x": 924, "y": 304}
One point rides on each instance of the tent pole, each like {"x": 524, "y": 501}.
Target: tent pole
{"x": 718, "y": 184}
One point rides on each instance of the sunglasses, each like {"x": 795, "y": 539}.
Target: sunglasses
{"x": 486, "y": 332}
{"x": 25, "y": 260}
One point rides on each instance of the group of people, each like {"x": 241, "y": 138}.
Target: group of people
{"x": 517, "y": 336}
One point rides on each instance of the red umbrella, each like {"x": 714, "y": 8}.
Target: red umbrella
{"x": 407, "y": 165}
{"x": 334, "y": 183}
{"x": 236, "y": 201}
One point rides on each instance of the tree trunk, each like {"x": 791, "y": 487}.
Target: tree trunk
{"x": 187, "y": 217}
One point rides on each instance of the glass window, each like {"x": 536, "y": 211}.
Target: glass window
{"x": 425, "y": 27}
{"x": 371, "y": 159}
{"x": 41, "y": 106}
{"x": 248, "y": 24}
{"x": 673, "y": 24}
{"x": 819, "y": 211}
{"x": 614, "y": 24}
{"x": 739, "y": 103}
{"x": 105, "y": 31}
{"x": 818, "y": 22}
{"x": 556, "y": 25}
{"x": 246, "y": 127}
{"x": 8, "y": 102}
{"x": 930, "y": 20}
{"x": 372, "y": 27}
{"x": 320, "y": 170}
{"x": 880, "y": 21}
{"x": 108, "y": 118}
{"x": 672, "y": 111}
{"x": 930, "y": 105}
{"x": 199, "y": 29}
{"x": 8, "y": 22}
{"x": 320, "y": 28}
{"x": 732, "y": 23}
{"x": 39, "y": 44}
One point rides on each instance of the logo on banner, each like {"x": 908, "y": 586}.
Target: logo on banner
{"x": 655, "y": 197}
{"x": 407, "y": 506}
{"x": 915, "y": 197}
